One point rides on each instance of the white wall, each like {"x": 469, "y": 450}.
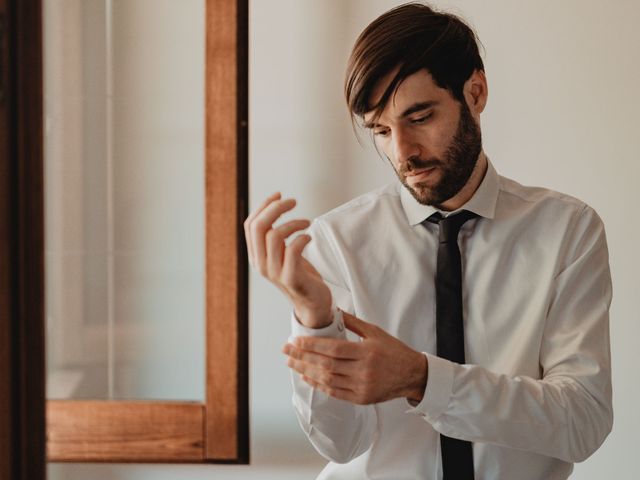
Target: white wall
{"x": 562, "y": 109}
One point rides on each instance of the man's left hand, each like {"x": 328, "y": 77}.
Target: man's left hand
{"x": 378, "y": 368}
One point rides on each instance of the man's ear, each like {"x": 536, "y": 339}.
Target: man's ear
{"x": 476, "y": 92}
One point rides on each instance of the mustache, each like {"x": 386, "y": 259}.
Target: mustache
{"x": 416, "y": 163}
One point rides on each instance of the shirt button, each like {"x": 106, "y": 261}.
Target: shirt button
{"x": 340, "y": 327}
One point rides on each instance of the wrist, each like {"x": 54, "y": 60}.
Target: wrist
{"x": 313, "y": 319}
{"x": 418, "y": 379}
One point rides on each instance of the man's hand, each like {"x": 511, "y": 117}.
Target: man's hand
{"x": 284, "y": 264}
{"x": 378, "y": 368}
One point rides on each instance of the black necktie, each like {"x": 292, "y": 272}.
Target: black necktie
{"x": 457, "y": 455}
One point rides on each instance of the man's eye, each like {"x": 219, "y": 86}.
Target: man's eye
{"x": 383, "y": 132}
{"x": 422, "y": 119}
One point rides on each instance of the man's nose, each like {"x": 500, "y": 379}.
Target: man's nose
{"x": 405, "y": 146}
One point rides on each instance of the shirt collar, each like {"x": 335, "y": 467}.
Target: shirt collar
{"x": 483, "y": 201}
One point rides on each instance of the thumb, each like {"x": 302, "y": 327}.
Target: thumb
{"x": 360, "y": 327}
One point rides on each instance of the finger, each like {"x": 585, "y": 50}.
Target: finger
{"x": 261, "y": 224}
{"x": 340, "y": 393}
{"x": 319, "y": 375}
{"x": 291, "y": 264}
{"x": 360, "y": 327}
{"x": 330, "y": 347}
{"x": 249, "y": 219}
{"x": 275, "y": 251}
{"x": 295, "y": 248}
{"x": 292, "y": 226}
{"x": 293, "y": 255}
{"x": 338, "y": 366}
{"x": 271, "y": 198}
{"x": 275, "y": 240}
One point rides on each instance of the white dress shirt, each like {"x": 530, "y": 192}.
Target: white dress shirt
{"x": 535, "y": 395}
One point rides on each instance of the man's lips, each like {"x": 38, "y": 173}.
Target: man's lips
{"x": 419, "y": 175}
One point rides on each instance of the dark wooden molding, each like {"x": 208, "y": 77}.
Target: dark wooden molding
{"x": 6, "y": 265}
{"x": 22, "y": 378}
{"x": 242, "y": 98}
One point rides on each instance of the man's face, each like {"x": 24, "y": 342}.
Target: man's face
{"x": 432, "y": 140}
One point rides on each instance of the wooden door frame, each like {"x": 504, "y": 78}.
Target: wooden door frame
{"x": 22, "y": 361}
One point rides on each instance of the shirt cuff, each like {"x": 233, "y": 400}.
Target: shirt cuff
{"x": 438, "y": 391}
{"x": 335, "y": 329}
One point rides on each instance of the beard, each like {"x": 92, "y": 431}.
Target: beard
{"x": 460, "y": 158}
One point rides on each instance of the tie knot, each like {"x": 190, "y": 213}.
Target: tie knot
{"x": 450, "y": 226}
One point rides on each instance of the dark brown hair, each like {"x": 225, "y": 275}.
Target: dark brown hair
{"x": 413, "y": 37}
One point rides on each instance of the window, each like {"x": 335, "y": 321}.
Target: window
{"x": 215, "y": 429}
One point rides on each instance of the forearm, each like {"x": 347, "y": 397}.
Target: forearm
{"x": 556, "y": 416}
{"x": 339, "y": 430}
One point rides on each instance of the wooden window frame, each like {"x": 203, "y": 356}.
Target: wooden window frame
{"x": 218, "y": 429}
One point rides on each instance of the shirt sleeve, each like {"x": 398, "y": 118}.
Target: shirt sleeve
{"x": 567, "y": 412}
{"x": 339, "y": 430}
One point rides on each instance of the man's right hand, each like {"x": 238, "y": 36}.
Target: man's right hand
{"x": 284, "y": 264}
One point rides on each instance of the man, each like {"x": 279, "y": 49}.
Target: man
{"x": 481, "y": 305}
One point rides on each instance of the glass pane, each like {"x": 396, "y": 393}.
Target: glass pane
{"x": 124, "y": 173}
